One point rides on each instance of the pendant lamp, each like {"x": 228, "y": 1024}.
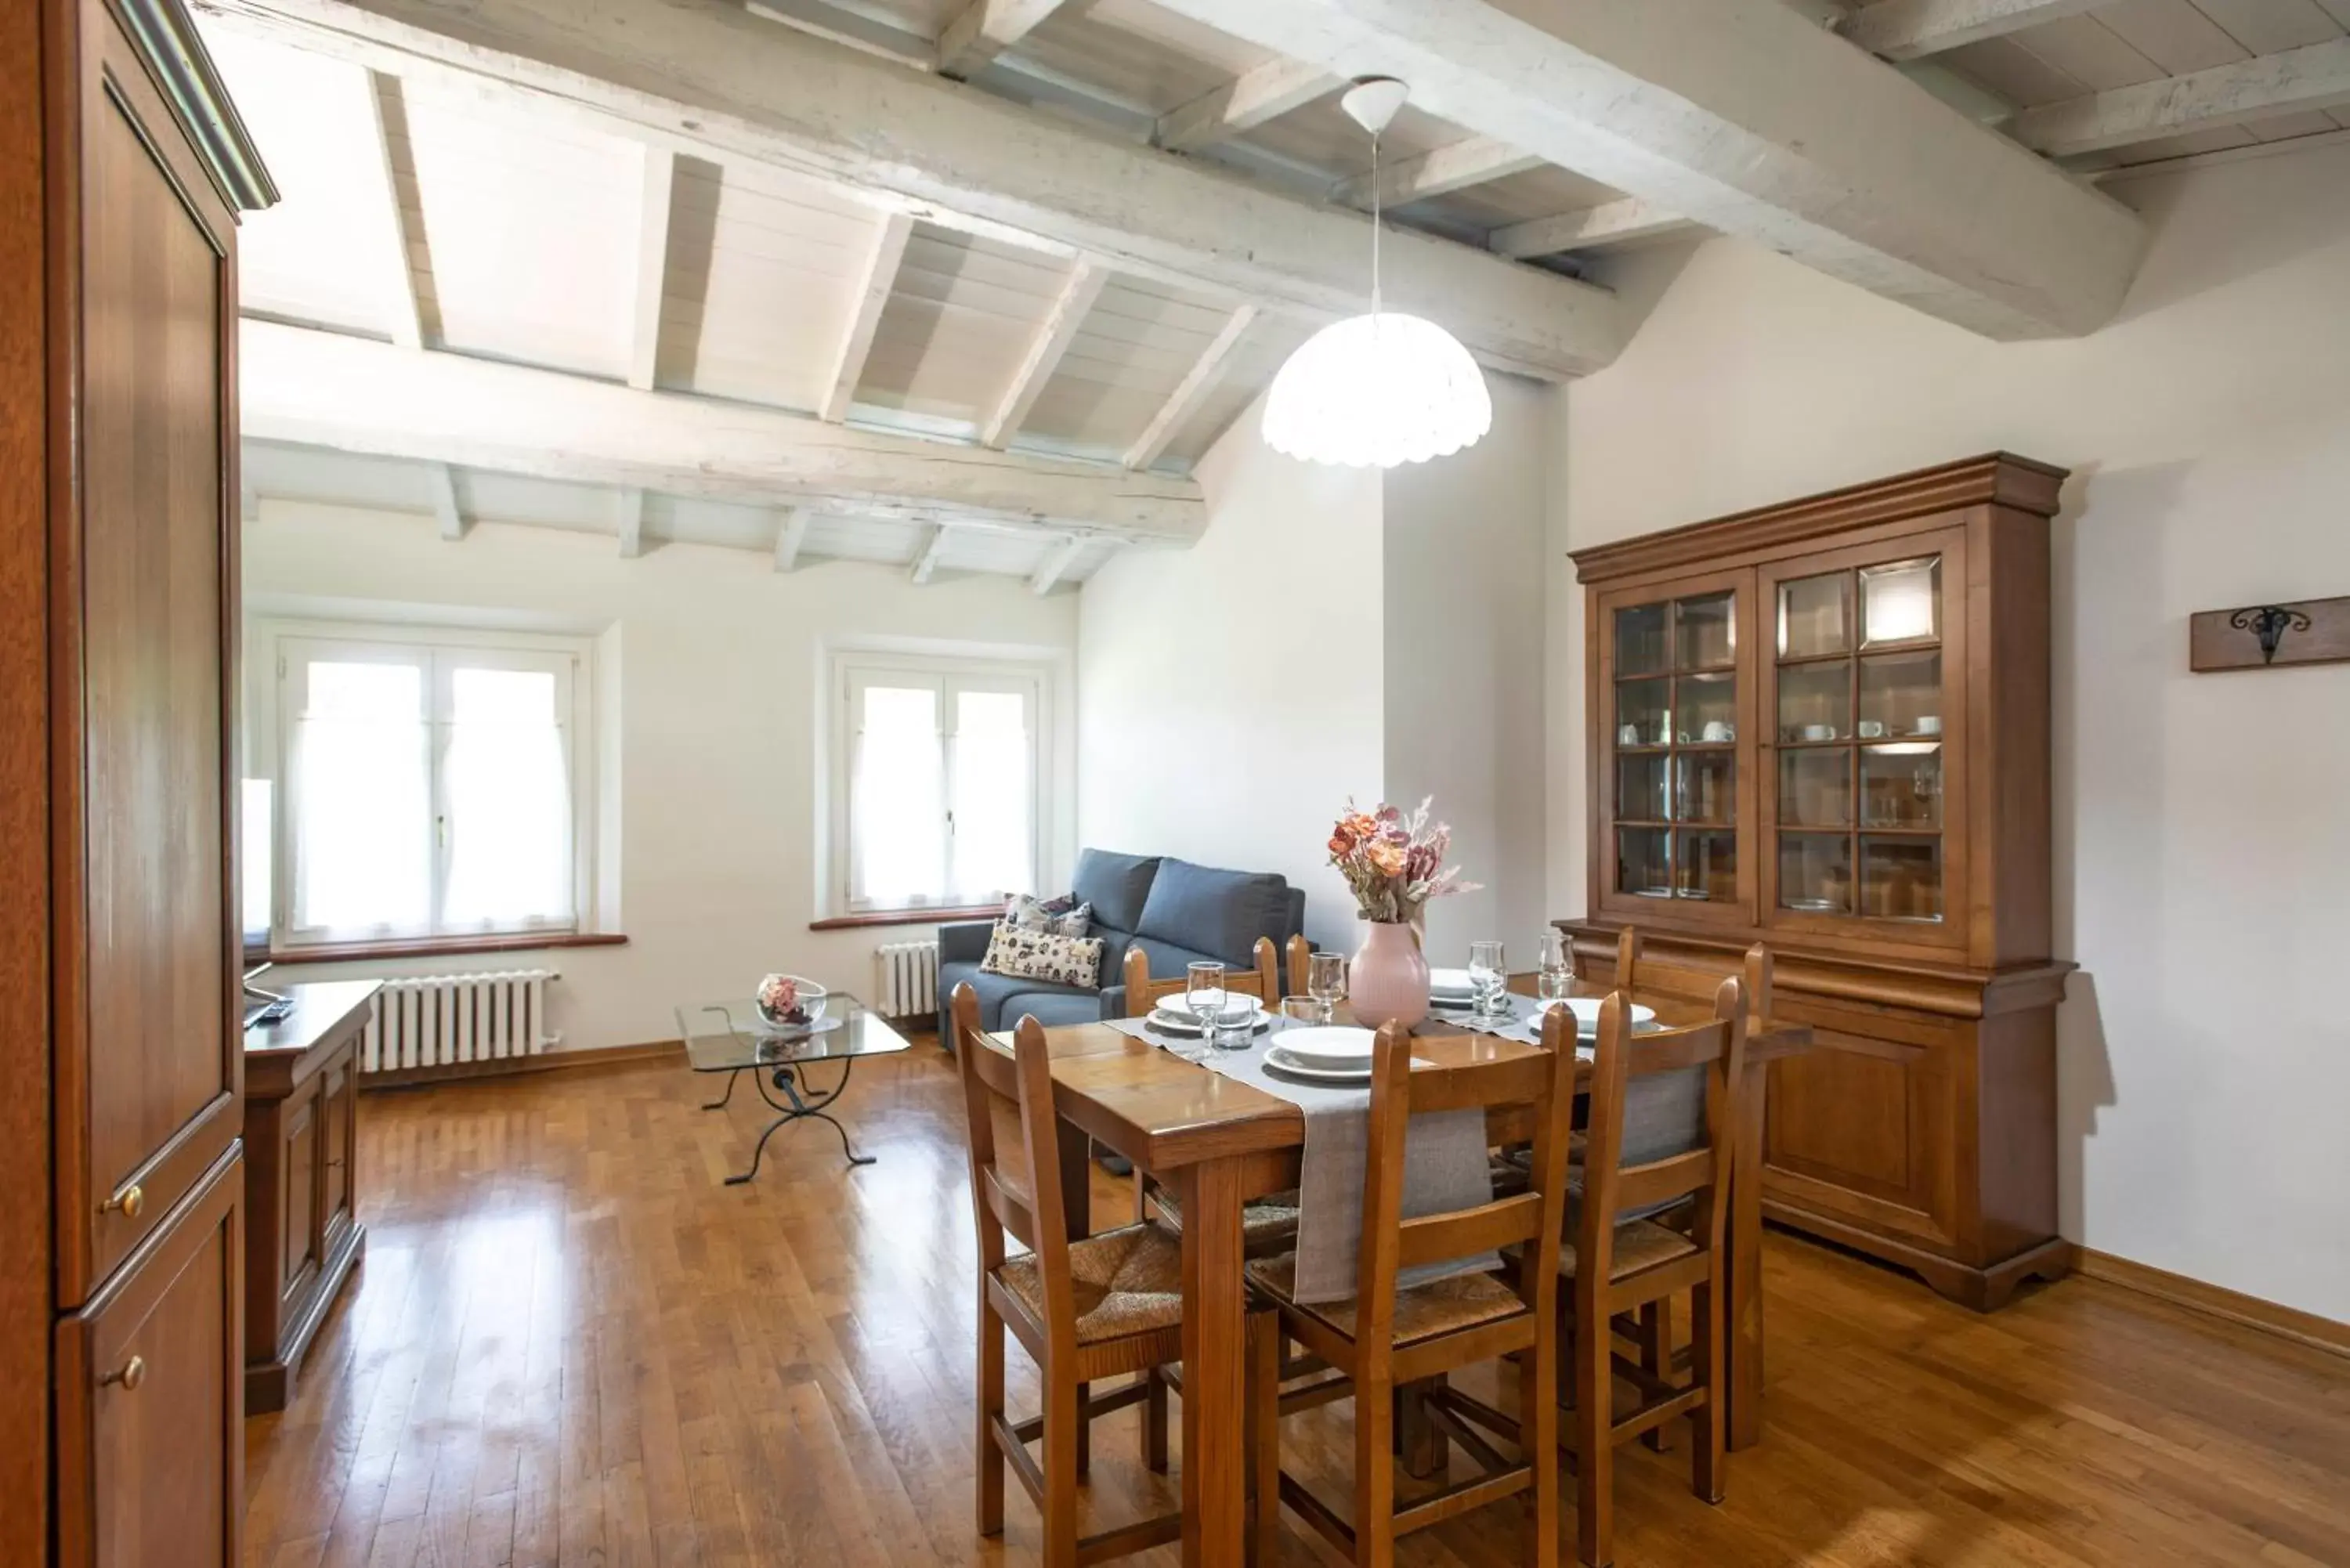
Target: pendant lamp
{"x": 1376, "y": 390}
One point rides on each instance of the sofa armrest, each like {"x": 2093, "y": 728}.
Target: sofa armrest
{"x": 964, "y": 941}
{"x": 1113, "y": 1002}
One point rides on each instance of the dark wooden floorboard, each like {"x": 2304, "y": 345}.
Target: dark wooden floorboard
{"x": 571, "y": 1345}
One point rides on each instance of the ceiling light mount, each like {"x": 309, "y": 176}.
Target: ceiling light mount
{"x": 1372, "y": 102}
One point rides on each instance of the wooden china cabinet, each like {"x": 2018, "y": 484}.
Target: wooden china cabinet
{"x": 1824, "y": 726}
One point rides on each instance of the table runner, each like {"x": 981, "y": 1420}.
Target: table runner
{"x": 1446, "y": 1165}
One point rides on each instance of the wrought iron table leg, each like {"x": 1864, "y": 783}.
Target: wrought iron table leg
{"x": 720, "y": 1103}
{"x": 799, "y": 1109}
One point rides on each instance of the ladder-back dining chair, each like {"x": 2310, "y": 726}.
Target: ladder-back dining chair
{"x": 1389, "y": 1335}
{"x": 1621, "y": 1259}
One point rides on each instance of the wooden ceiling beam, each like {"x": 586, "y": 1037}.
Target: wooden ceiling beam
{"x": 403, "y": 309}
{"x": 1184, "y": 401}
{"x": 1608, "y": 224}
{"x": 872, "y": 298}
{"x": 1843, "y": 165}
{"x": 1912, "y": 29}
{"x": 926, "y": 558}
{"x": 652, "y": 265}
{"x": 791, "y": 534}
{"x": 1436, "y": 173}
{"x": 983, "y": 29}
{"x": 353, "y": 394}
{"x": 629, "y": 509}
{"x": 1055, "y": 565}
{"x": 711, "y": 77}
{"x": 1239, "y": 106}
{"x": 442, "y": 479}
{"x": 1059, "y": 329}
{"x": 2314, "y": 77}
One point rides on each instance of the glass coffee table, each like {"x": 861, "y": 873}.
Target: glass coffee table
{"x": 730, "y": 1037}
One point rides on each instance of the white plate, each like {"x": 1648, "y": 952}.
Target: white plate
{"x": 1178, "y": 1006}
{"x": 1328, "y": 1045}
{"x": 1586, "y": 1012}
{"x": 1451, "y": 982}
{"x": 1319, "y": 1071}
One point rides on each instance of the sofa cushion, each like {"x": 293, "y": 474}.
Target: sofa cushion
{"x": 1115, "y": 886}
{"x": 1052, "y": 1007}
{"x": 995, "y": 989}
{"x": 1041, "y": 955}
{"x": 1168, "y": 960}
{"x": 1062, "y": 917}
{"x": 1218, "y": 913}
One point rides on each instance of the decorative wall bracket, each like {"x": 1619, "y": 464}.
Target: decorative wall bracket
{"x": 2307, "y": 631}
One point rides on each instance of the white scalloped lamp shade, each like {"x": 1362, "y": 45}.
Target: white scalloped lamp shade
{"x": 1373, "y": 392}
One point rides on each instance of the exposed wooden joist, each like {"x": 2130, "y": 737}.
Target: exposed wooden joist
{"x": 1056, "y": 565}
{"x": 404, "y": 313}
{"x": 1060, "y": 326}
{"x": 444, "y": 481}
{"x": 926, "y": 559}
{"x": 872, "y": 298}
{"x": 630, "y": 510}
{"x": 351, "y": 394}
{"x": 652, "y": 265}
{"x": 1191, "y": 390}
{"x": 1610, "y": 222}
{"x": 983, "y": 29}
{"x": 2315, "y": 76}
{"x": 1266, "y": 92}
{"x": 790, "y": 534}
{"x": 1454, "y": 167}
{"x": 707, "y": 76}
{"x": 1842, "y": 165}
{"x": 1909, "y": 29}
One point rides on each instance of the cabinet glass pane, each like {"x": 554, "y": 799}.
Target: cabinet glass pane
{"x": 1706, "y": 710}
{"x": 1641, "y": 789}
{"x": 1705, "y": 786}
{"x": 1644, "y": 861}
{"x": 1640, "y": 639}
{"x": 1816, "y": 872}
{"x": 1901, "y": 602}
{"x": 1643, "y": 713}
{"x": 1816, "y": 787}
{"x": 1702, "y": 632}
{"x": 1707, "y": 867}
{"x": 1900, "y": 695}
{"x": 1901, "y": 879}
{"x": 1815, "y": 702}
{"x": 1813, "y": 616}
{"x": 1901, "y": 784}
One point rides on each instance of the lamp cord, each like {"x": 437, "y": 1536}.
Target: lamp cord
{"x": 1375, "y": 229}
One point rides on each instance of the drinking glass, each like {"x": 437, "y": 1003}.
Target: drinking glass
{"x": 1326, "y": 982}
{"x": 1553, "y": 976}
{"x": 1203, "y": 993}
{"x": 1489, "y": 980}
{"x": 1305, "y": 1011}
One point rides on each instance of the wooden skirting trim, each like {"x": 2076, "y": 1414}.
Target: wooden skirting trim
{"x": 2287, "y": 1322}
{"x": 514, "y": 1067}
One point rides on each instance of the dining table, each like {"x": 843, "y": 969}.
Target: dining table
{"x": 1217, "y": 1142}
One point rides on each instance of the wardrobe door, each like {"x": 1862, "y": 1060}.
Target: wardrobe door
{"x": 149, "y": 1053}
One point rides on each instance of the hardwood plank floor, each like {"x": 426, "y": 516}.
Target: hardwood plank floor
{"x": 570, "y": 1345}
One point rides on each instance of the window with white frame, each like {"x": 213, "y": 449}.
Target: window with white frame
{"x": 936, "y": 782}
{"x": 430, "y": 787}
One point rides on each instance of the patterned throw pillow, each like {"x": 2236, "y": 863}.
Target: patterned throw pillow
{"x": 1040, "y": 955}
{"x": 1061, "y": 917}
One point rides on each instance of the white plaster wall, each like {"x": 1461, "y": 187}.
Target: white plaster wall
{"x": 1231, "y": 696}
{"x": 717, "y": 676}
{"x": 2203, "y": 821}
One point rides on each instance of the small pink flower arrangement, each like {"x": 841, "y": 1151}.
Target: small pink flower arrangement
{"x": 779, "y": 998}
{"x": 1393, "y": 863}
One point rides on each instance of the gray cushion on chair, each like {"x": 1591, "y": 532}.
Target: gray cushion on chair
{"x": 1218, "y": 913}
{"x": 1115, "y": 884}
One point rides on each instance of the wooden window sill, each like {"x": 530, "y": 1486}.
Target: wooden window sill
{"x": 905, "y": 918}
{"x": 437, "y": 946}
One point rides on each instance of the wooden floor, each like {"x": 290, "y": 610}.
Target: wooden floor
{"x": 570, "y": 1345}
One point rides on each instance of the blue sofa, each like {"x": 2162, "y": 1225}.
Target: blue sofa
{"x": 1177, "y": 912}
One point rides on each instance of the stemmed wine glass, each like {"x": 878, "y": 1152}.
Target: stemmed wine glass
{"x": 1203, "y": 993}
{"x": 1326, "y": 982}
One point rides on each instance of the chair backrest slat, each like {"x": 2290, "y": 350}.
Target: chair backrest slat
{"x": 1663, "y": 1181}
{"x": 1263, "y": 981}
{"x": 1300, "y": 964}
{"x": 1488, "y": 1228}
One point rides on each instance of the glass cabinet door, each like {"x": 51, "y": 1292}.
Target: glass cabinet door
{"x": 1863, "y": 673}
{"x": 1675, "y": 681}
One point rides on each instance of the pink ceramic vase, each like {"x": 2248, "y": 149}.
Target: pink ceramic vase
{"x": 1388, "y": 981}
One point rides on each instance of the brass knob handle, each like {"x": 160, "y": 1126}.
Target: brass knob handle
{"x": 130, "y": 1375}
{"x": 129, "y": 1201}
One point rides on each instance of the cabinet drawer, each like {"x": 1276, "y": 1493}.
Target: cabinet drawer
{"x": 150, "y": 1396}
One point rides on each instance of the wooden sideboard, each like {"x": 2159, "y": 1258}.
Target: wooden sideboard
{"x": 301, "y": 1134}
{"x": 1824, "y": 726}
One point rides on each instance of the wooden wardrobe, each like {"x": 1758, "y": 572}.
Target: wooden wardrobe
{"x": 122, "y": 167}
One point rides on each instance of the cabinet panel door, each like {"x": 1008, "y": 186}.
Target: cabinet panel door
{"x": 151, "y": 1397}
{"x": 1863, "y": 1129}
{"x": 149, "y": 1053}
{"x": 339, "y": 1126}
{"x": 297, "y": 1186}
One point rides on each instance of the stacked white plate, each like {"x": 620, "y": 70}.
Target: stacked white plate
{"x": 1450, "y": 987}
{"x": 1586, "y": 1014}
{"x": 1174, "y": 1015}
{"x": 1335, "y": 1055}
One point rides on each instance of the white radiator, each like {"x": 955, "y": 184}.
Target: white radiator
{"x": 438, "y": 1019}
{"x": 906, "y": 979}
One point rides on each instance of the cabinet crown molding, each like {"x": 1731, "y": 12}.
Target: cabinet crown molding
{"x": 1996, "y": 478}
{"x": 174, "y": 55}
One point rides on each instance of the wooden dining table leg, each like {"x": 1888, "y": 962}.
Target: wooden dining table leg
{"x": 1216, "y": 1367}
{"x": 1743, "y": 1380}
